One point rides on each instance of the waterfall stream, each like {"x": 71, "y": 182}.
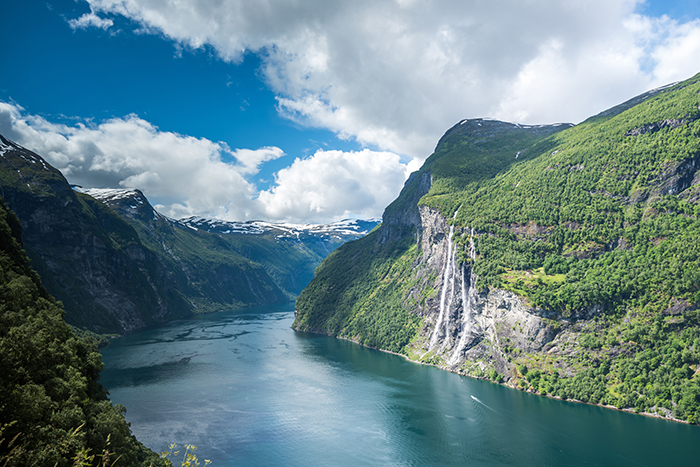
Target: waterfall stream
{"x": 446, "y": 281}
{"x": 468, "y": 302}
{"x": 448, "y": 297}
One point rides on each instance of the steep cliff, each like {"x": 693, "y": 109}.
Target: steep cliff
{"x": 562, "y": 260}
{"x": 219, "y": 265}
{"x": 204, "y": 268}
{"x": 87, "y": 256}
{"x": 375, "y": 290}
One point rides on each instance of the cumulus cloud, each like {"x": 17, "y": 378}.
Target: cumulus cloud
{"x": 251, "y": 160}
{"x": 187, "y": 176}
{"x": 396, "y": 74}
{"x": 335, "y": 184}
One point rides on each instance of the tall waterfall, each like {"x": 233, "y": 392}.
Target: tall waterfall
{"x": 446, "y": 282}
{"x": 468, "y": 302}
{"x": 450, "y": 300}
{"x": 452, "y": 258}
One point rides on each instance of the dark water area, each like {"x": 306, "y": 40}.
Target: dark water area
{"x": 248, "y": 390}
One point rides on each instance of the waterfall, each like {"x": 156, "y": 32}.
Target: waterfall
{"x": 468, "y": 300}
{"x": 450, "y": 298}
{"x": 446, "y": 280}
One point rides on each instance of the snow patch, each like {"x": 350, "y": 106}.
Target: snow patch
{"x": 346, "y": 227}
{"x": 110, "y": 193}
{"x": 6, "y": 146}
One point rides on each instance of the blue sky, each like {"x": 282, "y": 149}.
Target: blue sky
{"x": 94, "y": 74}
{"x": 309, "y": 111}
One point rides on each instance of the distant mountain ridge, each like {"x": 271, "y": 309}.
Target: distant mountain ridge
{"x": 119, "y": 265}
{"x": 135, "y": 198}
{"x": 87, "y": 256}
{"x": 288, "y": 253}
{"x": 346, "y": 228}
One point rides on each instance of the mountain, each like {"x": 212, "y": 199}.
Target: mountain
{"x": 52, "y": 407}
{"x": 289, "y": 252}
{"x": 207, "y": 272}
{"x": 220, "y": 264}
{"x": 562, "y": 260}
{"x": 119, "y": 265}
{"x": 87, "y": 256}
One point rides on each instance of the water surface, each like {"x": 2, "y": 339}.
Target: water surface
{"x": 247, "y": 390}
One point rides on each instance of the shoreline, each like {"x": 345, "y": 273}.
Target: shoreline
{"x": 405, "y": 357}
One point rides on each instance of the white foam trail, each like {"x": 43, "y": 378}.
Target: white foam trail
{"x": 450, "y": 299}
{"x": 478, "y": 401}
{"x": 466, "y": 328}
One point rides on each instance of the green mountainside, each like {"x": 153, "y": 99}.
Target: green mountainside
{"x": 219, "y": 265}
{"x": 53, "y": 411}
{"x": 560, "y": 260}
{"x": 203, "y": 267}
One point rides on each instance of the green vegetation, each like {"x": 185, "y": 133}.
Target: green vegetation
{"x": 362, "y": 287}
{"x": 648, "y": 365}
{"x": 206, "y": 268}
{"x": 53, "y": 411}
{"x": 596, "y": 225}
{"x": 221, "y": 271}
{"x": 188, "y": 459}
{"x": 87, "y": 256}
{"x": 609, "y": 209}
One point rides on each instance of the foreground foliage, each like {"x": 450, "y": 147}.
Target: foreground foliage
{"x": 53, "y": 411}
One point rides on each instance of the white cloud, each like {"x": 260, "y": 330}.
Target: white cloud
{"x": 251, "y": 160}
{"x": 677, "y": 55}
{"x": 397, "y": 74}
{"x": 90, "y": 20}
{"x": 335, "y": 184}
{"x": 187, "y": 176}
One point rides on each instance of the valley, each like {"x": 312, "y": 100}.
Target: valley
{"x": 118, "y": 265}
{"x": 559, "y": 260}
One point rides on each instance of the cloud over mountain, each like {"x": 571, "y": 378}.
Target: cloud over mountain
{"x": 188, "y": 176}
{"x": 395, "y": 73}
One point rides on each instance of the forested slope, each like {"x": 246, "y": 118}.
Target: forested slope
{"x": 118, "y": 265}
{"x": 87, "y": 256}
{"x": 52, "y": 407}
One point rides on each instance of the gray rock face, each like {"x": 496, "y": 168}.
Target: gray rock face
{"x": 403, "y": 216}
{"x": 467, "y": 330}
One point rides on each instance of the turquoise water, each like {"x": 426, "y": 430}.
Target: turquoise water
{"x": 247, "y": 390}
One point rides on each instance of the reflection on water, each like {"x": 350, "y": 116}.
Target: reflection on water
{"x": 247, "y": 390}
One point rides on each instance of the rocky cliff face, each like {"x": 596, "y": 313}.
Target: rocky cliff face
{"x": 466, "y": 330}
{"x": 402, "y": 217}
{"x": 220, "y": 264}
{"x": 118, "y": 265}
{"x": 439, "y": 286}
{"x": 207, "y": 272}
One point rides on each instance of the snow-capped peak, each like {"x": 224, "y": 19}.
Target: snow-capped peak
{"x": 347, "y": 227}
